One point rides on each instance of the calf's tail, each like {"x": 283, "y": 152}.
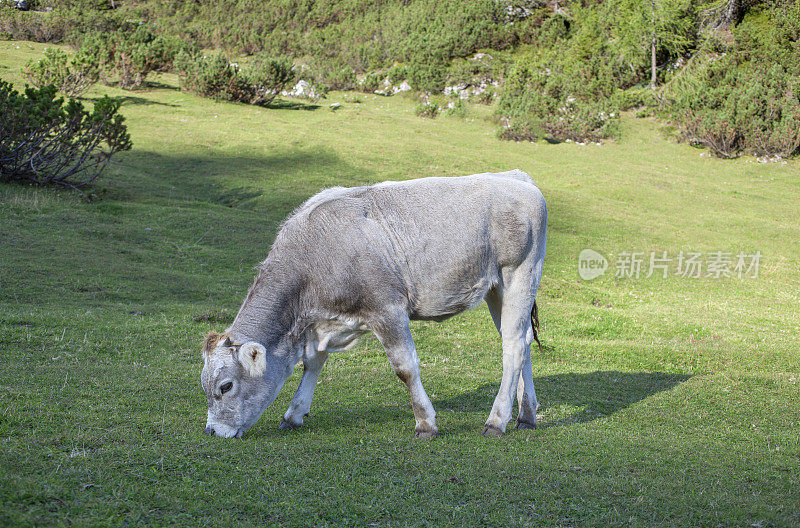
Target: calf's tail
{"x": 535, "y": 324}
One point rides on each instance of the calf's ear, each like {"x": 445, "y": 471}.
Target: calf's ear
{"x": 253, "y": 357}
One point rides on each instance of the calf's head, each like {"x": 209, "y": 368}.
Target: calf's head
{"x": 240, "y": 381}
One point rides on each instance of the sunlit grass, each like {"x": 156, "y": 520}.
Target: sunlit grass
{"x": 666, "y": 402}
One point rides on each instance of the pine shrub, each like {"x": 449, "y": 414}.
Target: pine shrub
{"x": 47, "y": 140}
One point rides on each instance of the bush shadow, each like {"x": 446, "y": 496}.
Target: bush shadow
{"x": 285, "y": 104}
{"x": 128, "y": 100}
{"x": 268, "y": 181}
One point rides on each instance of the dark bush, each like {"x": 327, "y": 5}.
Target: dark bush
{"x": 46, "y": 140}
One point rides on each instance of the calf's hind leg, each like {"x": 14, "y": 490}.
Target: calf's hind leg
{"x": 526, "y": 394}
{"x": 399, "y": 345}
{"x": 515, "y": 304}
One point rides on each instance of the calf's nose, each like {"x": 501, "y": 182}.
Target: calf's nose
{"x": 208, "y": 430}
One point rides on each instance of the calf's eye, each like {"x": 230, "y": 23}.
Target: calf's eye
{"x": 226, "y": 387}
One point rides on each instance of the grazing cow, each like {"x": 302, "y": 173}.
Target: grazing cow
{"x": 371, "y": 259}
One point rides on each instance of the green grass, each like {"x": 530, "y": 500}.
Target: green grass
{"x": 666, "y": 402}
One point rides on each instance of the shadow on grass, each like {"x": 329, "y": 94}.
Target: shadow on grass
{"x": 154, "y": 214}
{"x": 582, "y": 397}
{"x": 161, "y": 85}
{"x": 280, "y": 181}
{"x": 283, "y": 104}
{"x": 565, "y": 399}
{"x": 239, "y": 197}
{"x": 134, "y": 100}
{"x": 128, "y": 100}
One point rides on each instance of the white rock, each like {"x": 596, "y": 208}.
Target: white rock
{"x": 303, "y": 89}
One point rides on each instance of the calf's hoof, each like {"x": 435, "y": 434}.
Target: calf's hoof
{"x": 286, "y": 424}
{"x": 490, "y": 431}
{"x": 525, "y": 425}
{"x": 426, "y": 432}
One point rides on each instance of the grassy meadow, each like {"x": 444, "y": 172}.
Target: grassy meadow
{"x": 665, "y": 401}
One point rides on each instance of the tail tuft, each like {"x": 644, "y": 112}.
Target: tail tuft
{"x": 535, "y": 324}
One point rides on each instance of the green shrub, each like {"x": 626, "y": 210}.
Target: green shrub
{"x": 71, "y": 76}
{"x": 132, "y": 63}
{"x": 258, "y": 83}
{"x": 560, "y": 99}
{"x": 158, "y": 51}
{"x": 212, "y": 77}
{"x": 635, "y": 98}
{"x": 747, "y": 98}
{"x": 427, "y": 110}
{"x": 731, "y": 110}
{"x": 33, "y": 25}
{"x": 370, "y": 82}
{"x": 397, "y": 74}
{"x": 336, "y": 78}
{"x": 456, "y": 108}
{"x": 127, "y": 57}
{"x": 486, "y": 97}
{"x": 362, "y": 35}
{"x": 517, "y": 131}
{"x": 474, "y": 71}
{"x": 48, "y": 141}
{"x": 427, "y": 72}
{"x": 268, "y": 77}
{"x": 99, "y": 49}
{"x": 581, "y": 121}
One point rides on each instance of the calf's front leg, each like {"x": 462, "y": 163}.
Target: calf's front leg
{"x": 301, "y": 401}
{"x": 399, "y": 345}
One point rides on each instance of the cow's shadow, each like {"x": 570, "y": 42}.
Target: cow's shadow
{"x": 565, "y": 399}
{"x": 575, "y": 397}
